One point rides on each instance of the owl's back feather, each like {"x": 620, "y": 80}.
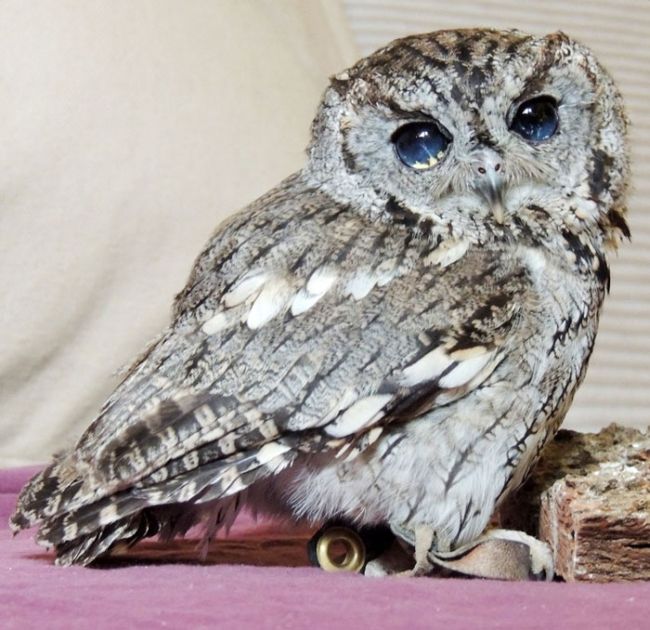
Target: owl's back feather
{"x": 168, "y": 436}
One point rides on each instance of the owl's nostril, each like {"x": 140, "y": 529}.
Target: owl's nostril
{"x": 482, "y": 170}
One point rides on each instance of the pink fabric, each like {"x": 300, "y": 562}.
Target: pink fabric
{"x": 33, "y": 592}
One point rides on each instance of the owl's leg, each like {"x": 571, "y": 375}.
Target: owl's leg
{"x": 423, "y": 542}
{"x": 394, "y": 560}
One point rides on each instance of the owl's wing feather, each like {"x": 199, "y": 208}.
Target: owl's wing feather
{"x": 280, "y": 359}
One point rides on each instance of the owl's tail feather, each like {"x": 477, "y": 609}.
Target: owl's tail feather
{"x": 45, "y": 495}
{"x": 169, "y": 507}
{"x": 166, "y": 521}
{"x": 85, "y": 476}
{"x": 84, "y": 549}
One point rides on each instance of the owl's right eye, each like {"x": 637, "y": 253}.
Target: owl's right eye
{"x": 420, "y": 145}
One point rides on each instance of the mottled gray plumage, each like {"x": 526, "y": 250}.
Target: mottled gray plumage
{"x": 370, "y": 341}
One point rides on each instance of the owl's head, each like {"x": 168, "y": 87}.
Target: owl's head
{"x": 487, "y": 134}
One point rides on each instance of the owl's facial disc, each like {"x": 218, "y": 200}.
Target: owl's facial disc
{"x": 474, "y": 129}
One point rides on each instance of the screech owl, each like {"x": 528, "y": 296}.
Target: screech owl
{"x": 392, "y": 334}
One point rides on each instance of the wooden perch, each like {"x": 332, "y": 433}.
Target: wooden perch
{"x": 589, "y": 499}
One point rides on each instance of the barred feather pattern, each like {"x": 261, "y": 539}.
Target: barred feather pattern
{"x": 363, "y": 341}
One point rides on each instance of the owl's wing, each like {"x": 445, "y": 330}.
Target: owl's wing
{"x": 283, "y": 343}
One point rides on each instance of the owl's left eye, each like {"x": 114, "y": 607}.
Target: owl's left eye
{"x": 420, "y": 144}
{"x": 537, "y": 119}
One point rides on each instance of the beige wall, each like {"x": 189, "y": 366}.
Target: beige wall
{"x": 617, "y": 387}
{"x": 128, "y": 130}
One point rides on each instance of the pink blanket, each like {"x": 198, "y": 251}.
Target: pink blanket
{"x": 165, "y": 588}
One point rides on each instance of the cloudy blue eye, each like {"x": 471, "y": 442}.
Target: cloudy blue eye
{"x": 536, "y": 119}
{"x": 420, "y": 145}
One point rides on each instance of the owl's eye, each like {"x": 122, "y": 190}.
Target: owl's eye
{"x": 537, "y": 119}
{"x": 420, "y": 144}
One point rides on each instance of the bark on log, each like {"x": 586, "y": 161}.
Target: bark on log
{"x": 589, "y": 499}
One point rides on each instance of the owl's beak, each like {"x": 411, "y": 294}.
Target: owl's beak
{"x": 492, "y": 191}
{"x": 489, "y": 182}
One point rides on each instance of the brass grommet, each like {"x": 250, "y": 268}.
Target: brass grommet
{"x": 353, "y": 557}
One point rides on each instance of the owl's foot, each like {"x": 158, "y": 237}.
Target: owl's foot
{"x": 499, "y": 554}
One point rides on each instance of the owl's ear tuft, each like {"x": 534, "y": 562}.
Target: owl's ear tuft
{"x": 558, "y": 38}
{"x": 340, "y": 82}
{"x": 617, "y": 220}
{"x": 615, "y": 228}
{"x": 557, "y": 46}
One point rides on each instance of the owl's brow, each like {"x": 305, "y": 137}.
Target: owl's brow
{"x": 538, "y": 74}
{"x": 458, "y": 60}
{"x": 402, "y": 112}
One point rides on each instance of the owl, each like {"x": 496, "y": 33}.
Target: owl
{"x": 391, "y": 335}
